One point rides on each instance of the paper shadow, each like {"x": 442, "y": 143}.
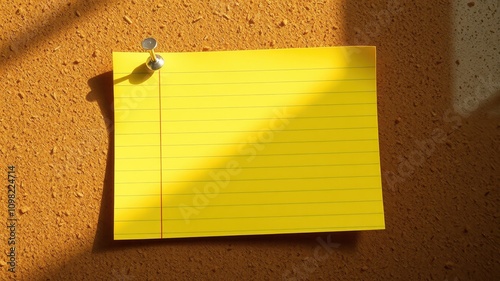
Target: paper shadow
{"x": 102, "y": 92}
{"x": 347, "y": 241}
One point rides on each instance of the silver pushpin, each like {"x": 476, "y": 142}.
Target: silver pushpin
{"x": 154, "y": 61}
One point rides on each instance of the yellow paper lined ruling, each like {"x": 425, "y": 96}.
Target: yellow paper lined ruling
{"x": 246, "y": 142}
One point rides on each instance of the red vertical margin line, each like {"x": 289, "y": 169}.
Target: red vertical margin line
{"x": 161, "y": 160}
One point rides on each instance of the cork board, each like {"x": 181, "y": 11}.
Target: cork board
{"x": 439, "y": 120}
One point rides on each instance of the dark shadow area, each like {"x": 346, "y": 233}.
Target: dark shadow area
{"x": 406, "y": 69}
{"x": 436, "y": 194}
{"x": 347, "y": 241}
{"x": 102, "y": 92}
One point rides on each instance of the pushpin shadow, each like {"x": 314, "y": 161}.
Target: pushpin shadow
{"x": 138, "y": 75}
{"x": 102, "y": 90}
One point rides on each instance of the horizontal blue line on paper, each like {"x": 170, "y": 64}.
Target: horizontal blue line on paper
{"x": 262, "y": 191}
{"x": 247, "y": 119}
{"x": 261, "y": 179}
{"x": 232, "y": 143}
{"x": 247, "y": 106}
{"x": 244, "y": 155}
{"x": 248, "y": 70}
{"x": 262, "y": 204}
{"x": 259, "y": 217}
{"x": 238, "y": 95}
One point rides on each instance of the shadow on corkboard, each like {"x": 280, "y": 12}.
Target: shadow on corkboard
{"x": 102, "y": 92}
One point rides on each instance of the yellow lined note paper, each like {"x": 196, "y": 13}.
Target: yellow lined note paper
{"x": 246, "y": 142}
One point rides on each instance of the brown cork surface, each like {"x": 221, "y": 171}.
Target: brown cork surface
{"x": 439, "y": 120}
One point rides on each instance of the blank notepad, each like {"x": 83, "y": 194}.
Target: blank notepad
{"x": 246, "y": 142}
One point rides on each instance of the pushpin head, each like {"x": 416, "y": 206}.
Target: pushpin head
{"x": 154, "y": 62}
{"x": 149, "y": 44}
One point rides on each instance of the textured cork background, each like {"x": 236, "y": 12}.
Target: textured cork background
{"x": 439, "y": 120}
